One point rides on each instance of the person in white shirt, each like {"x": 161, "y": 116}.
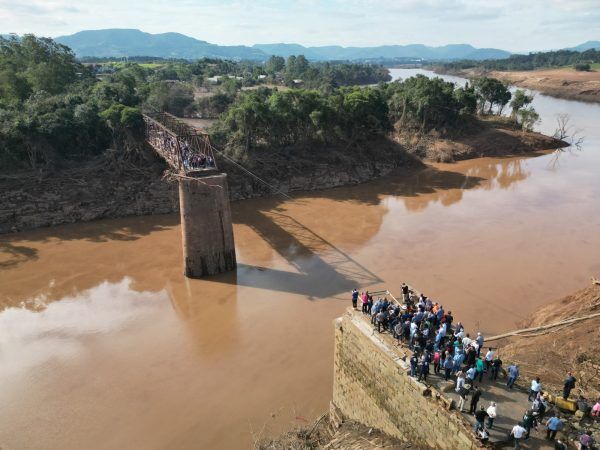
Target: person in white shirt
{"x": 460, "y": 380}
{"x": 460, "y": 333}
{"x": 479, "y": 339}
{"x": 518, "y": 432}
{"x": 413, "y": 329}
{"x": 466, "y": 341}
{"x": 536, "y": 388}
{"x": 492, "y": 413}
{"x": 489, "y": 357}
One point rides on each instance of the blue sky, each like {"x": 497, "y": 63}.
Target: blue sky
{"x": 515, "y": 25}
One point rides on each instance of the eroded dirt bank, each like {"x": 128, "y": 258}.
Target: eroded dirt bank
{"x": 32, "y": 201}
{"x": 489, "y": 136}
{"x": 550, "y": 354}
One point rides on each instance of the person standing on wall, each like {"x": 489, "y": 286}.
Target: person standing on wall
{"x": 365, "y": 302}
{"x": 513, "y": 375}
{"x": 405, "y": 293}
{"x": 489, "y": 357}
{"x": 496, "y": 365}
{"x": 553, "y": 426}
{"x": 518, "y": 433}
{"x": 536, "y": 388}
{"x": 474, "y": 400}
{"x": 480, "y": 417}
{"x": 569, "y": 385}
{"x": 492, "y": 413}
{"x": 448, "y": 365}
{"x": 462, "y": 397}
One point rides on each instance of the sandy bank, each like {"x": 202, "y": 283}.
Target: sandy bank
{"x": 564, "y": 83}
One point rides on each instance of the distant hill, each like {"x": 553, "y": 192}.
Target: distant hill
{"x": 447, "y": 52}
{"x": 586, "y": 46}
{"x": 129, "y": 42}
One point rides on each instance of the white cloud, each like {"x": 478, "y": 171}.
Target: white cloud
{"x": 510, "y": 24}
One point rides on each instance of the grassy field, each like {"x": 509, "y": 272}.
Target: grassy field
{"x": 151, "y": 65}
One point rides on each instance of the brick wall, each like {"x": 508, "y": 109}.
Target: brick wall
{"x": 371, "y": 385}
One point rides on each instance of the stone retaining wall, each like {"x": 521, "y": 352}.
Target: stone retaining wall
{"x": 69, "y": 199}
{"x": 372, "y": 386}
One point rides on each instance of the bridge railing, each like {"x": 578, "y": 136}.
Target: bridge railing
{"x": 186, "y": 149}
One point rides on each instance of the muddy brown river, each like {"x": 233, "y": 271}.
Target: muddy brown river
{"x": 104, "y": 344}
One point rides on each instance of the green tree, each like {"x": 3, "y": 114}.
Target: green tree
{"x": 520, "y": 100}
{"x": 493, "y": 93}
{"x": 173, "y": 97}
{"x": 527, "y": 118}
{"x": 31, "y": 64}
{"x": 424, "y": 103}
{"x": 275, "y": 64}
{"x": 582, "y": 67}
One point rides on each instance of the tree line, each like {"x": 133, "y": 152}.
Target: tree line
{"x": 532, "y": 61}
{"x": 265, "y": 119}
{"x": 55, "y": 110}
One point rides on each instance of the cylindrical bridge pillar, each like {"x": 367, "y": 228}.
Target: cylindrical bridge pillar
{"x": 207, "y": 231}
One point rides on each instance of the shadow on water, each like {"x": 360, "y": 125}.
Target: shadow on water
{"x": 103, "y": 230}
{"x": 320, "y": 268}
{"x": 111, "y": 230}
{"x": 14, "y": 255}
{"x": 403, "y": 183}
{"x": 323, "y": 270}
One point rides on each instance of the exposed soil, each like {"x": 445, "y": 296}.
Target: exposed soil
{"x": 486, "y": 137}
{"x": 100, "y": 190}
{"x": 573, "y": 347}
{"x": 565, "y": 83}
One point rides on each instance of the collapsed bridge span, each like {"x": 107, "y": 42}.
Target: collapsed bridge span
{"x": 206, "y": 226}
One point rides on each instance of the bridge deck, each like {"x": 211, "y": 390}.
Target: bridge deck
{"x": 187, "y": 150}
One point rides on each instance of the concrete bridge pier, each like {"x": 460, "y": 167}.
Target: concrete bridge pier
{"x": 207, "y": 231}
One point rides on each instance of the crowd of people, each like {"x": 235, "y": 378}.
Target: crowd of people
{"x": 174, "y": 147}
{"x": 194, "y": 160}
{"x": 437, "y": 339}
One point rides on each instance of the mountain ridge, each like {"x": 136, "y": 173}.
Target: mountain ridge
{"x": 588, "y": 45}
{"x": 128, "y": 42}
{"x": 419, "y": 51}
{"x": 125, "y": 42}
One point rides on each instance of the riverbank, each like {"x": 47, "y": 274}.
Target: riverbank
{"x": 564, "y": 83}
{"x": 99, "y": 191}
{"x": 551, "y": 353}
{"x": 487, "y": 136}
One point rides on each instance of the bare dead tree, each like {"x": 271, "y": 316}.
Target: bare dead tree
{"x": 565, "y": 131}
{"x": 562, "y": 126}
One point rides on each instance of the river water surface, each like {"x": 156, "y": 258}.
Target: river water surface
{"x": 104, "y": 344}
